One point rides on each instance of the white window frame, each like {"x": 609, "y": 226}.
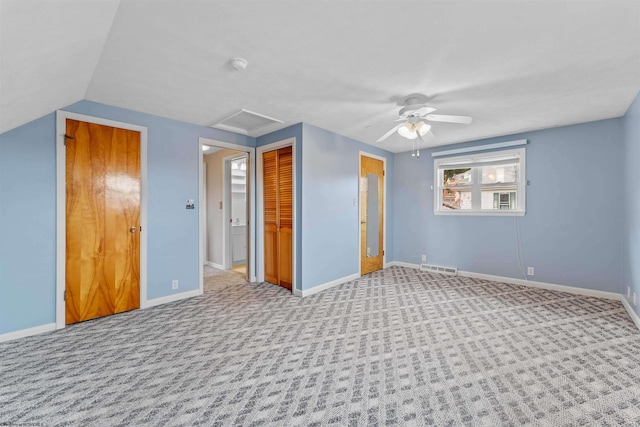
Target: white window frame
{"x": 476, "y": 161}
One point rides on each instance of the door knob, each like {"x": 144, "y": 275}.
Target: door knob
{"x": 133, "y": 229}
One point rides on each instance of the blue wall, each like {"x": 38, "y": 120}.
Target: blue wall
{"x": 27, "y": 213}
{"x": 632, "y": 197}
{"x": 571, "y": 233}
{"x": 576, "y": 231}
{"x": 27, "y": 225}
{"x": 330, "y": 227}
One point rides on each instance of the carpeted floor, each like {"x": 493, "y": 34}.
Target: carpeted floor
{"x": 396, "y": 347}
{"x": 217, "y": 280}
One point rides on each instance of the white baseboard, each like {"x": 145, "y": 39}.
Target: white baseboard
{"x": 550, "y": 286}
{"x": 28, "y": 332}
{"x": 634, "y": 316}
{"x": 402, "y": 264}
{"x": 214, "y": 265}
{"x": 542, "y": 285}
{"x": 170, "y": 298}
{"x": 322, "y": 287}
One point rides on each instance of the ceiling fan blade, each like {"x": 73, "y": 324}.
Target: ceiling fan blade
{"x": 448, "y": 119}
{"x": 388, "y": 134}
{"x": 429, "y": 137}
{"x": 423, "y": 111}
{"x": 426, "y": 139}
{"x": 401, "y": 119}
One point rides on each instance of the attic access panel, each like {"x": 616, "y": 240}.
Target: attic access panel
{"x": 245, "y": 122}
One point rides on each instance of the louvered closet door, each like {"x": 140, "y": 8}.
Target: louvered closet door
{"x": 285, "y": 204}
{"x": 278, "y": 216}
{"x": 270, "y": 171}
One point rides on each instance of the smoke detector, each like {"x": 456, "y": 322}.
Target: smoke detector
{"x": 240, "y": 64}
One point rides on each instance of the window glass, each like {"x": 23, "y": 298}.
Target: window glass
{"x": 455, "y": 177}
{"x": 490, "y": 183}
{"x": 453, "y": 199}
{"x": 499, "y": 174}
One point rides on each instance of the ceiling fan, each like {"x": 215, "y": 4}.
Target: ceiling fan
{"x": 415, "y": 114}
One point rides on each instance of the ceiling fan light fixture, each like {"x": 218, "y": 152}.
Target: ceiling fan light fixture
{"x": 408, "y": 130}
{"x": 423, "y": 128}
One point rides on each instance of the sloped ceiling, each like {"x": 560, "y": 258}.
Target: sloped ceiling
{"x": 344, "y": 66}
{"x": 48, "y": 54}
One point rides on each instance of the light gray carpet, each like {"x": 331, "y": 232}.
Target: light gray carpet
{"x": 217, "y": 280}
{"x": 396, "y": 347}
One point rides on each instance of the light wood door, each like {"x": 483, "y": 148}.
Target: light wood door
{"x": 371, "y": 214}
{"x": 277, "y": 172}
{"x": 102, "y": 220}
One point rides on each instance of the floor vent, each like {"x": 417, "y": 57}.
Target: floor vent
{"x": 439, "y": 269}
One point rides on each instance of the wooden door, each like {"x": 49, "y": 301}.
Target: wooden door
{"x": 102, "y": 220}
{"x": 371, "y": 214}
{"x": 278, "y": 216}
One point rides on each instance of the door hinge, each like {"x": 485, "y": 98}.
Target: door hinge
{"x": 67, "y": 137}
{"x": 65, "y": 296}
{"x": 382, "y": 173}
{"x": 382, "y": 253}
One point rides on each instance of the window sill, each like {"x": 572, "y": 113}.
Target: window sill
{"x": 480, "y": 213}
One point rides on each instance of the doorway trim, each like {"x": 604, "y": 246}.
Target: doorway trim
{"x": 384, "y": 204}
{"x": 61, "y": 208}
{"x": 289, "y": 142}
{"x": 251, "y": 154}
{"x": 227, "y": 197}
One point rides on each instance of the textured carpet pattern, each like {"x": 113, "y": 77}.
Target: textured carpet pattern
{"x": 217, "y": 280}
{"x": 396, "y": 347}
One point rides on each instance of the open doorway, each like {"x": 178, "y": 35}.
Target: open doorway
{"x": 226, "y": 230}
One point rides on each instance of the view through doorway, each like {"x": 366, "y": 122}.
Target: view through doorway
{"x": 226, "y": 217}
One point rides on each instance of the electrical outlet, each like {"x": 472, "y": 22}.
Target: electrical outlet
{"x": 174, "y": 284}
{"x": 530, "y": 271}
{"x": 424, "y": 258}
{"x": 628, "y": 291}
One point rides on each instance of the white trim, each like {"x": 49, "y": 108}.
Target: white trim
{"x": 226, "y": 208}
{"x": 227, "y": 197}
{"x": 542, "y": 285}
{"x": 251, "y": 182}
{"x": 61, "y": 179}
{"x": 403, "y": 264}
{"x": 259, "y": 208}
{"x": 480, "y": 148}
{"x": 479, "y": 213}
{"x": 214, "y": 265}
{"x": 203, "y": 214}
{"x": 634, "y": 316}
{"x": 475, "y": 163}
{"x": 9, "y": 336}
{"x": 319, "y": 288}
{"x": 172, "y": 298}
{"x": 384, "y": 204}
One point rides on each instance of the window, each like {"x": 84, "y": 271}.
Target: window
{"x": 481, "y": 184}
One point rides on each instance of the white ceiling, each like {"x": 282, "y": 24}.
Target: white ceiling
{"x": 513, "y": 65}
